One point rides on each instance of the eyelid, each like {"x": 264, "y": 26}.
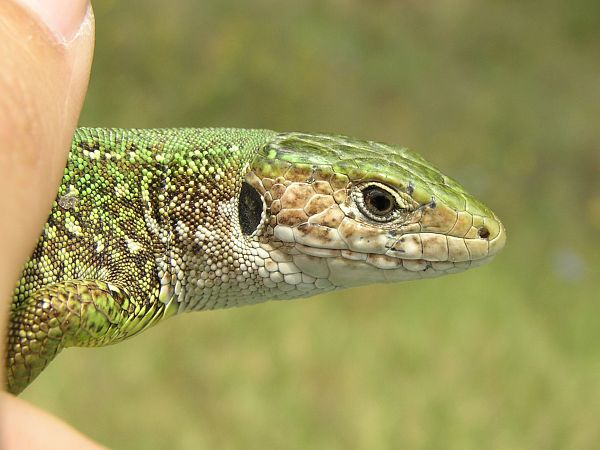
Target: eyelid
{"x": 404, "y": 204}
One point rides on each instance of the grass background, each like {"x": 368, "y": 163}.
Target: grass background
{"x": 504, "y": 96}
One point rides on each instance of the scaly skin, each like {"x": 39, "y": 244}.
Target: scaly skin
{"x": 150, "y": 223}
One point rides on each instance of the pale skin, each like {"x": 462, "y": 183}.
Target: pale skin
{"x": 46, "y": 49}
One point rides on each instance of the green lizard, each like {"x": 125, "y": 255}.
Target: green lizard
{"x": 152, "y": 223}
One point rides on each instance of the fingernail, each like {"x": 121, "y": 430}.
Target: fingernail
{"x": 64, "y": 18}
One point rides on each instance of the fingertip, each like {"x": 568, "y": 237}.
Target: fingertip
{"x": 65, "y": 19}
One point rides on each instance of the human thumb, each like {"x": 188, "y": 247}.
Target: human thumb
{"x": 46, "y": 49}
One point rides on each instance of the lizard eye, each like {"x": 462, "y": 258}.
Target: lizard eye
{"x": 378, "y": 203}
{"x": 250, "y": 209}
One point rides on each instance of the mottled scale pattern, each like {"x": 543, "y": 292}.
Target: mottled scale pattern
{"x": 127, "y": 201}
{"x": 147, "y": 224}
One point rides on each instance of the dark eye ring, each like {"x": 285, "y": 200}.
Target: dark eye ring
{"x": 378, "y": 202}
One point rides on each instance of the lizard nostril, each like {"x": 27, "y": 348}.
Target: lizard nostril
{"x": 484, "y": 233}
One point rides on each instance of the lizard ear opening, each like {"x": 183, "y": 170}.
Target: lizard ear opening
{"x": 250, "y": 209}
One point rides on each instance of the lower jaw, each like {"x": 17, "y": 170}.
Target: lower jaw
{"x": 344, "y": 268}
{"x": 348, "y": 273}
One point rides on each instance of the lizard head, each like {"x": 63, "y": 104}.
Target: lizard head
{"x": 304, "y": 214}
{"x": 332, "y": 212}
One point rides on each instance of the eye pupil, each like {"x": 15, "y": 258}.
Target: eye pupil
{"x": 378, "y": 201}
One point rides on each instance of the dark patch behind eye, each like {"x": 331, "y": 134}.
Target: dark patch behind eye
{"x": 250, "y": 209}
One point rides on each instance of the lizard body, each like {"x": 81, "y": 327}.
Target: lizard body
{"x": 150, "y": 223}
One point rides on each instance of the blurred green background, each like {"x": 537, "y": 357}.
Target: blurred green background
{"x": 504, "y": 96}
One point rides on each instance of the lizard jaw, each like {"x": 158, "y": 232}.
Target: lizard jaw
{"x": 335, "y": 268}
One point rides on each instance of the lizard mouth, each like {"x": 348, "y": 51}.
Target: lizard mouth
{"x": 407, "y": 257}
{"x": 315, "y": 256}
{"x": 416, "y": 252}
{"x": 386, "y": 262}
